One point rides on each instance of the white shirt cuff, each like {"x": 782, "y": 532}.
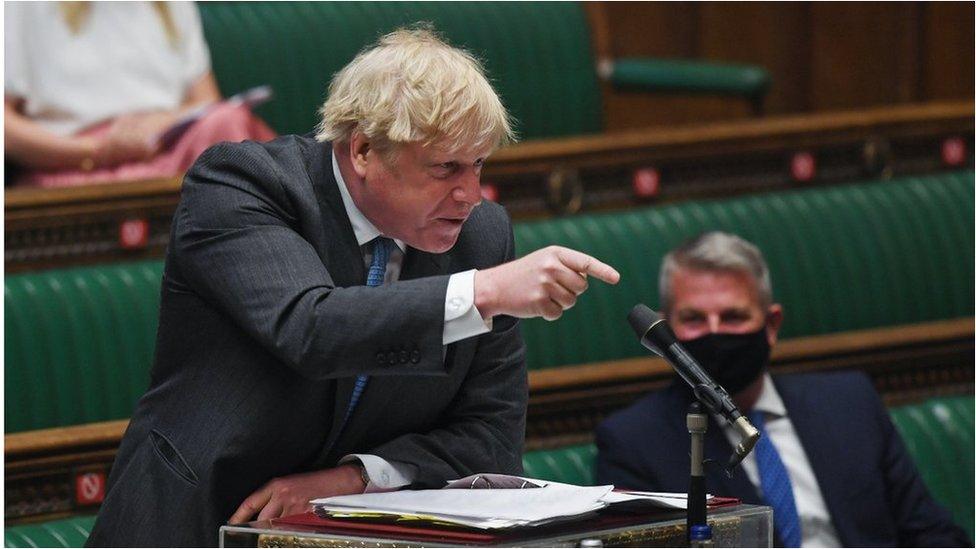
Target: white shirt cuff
{"x": 384, "y": 476}
{"x": 461, "y": 318}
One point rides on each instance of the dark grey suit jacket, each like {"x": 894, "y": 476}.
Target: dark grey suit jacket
{"x": 264, "y": 323}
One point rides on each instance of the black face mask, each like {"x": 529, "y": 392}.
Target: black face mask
{"x": 733, "y": 360}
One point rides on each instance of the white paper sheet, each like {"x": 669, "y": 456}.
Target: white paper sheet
{"x": 499, "y": 508}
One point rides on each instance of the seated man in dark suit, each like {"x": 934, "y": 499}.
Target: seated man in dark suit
{"x": 339, "y": 311}
{"x": 830, "y": 462}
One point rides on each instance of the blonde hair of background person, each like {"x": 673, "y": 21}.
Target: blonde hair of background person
{"x": 76, "y": 13}
{"x": 412, "y": 87}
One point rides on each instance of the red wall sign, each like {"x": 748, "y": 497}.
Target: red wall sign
{"x": 90, "y": 488}
{"x": 646, "y": 182}
{"x": 133, "y": 234}
{"x": 803, "y": 166}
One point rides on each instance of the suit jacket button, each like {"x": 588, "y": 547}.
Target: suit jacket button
{"x": 404, "y": 357}
{"x": 415, "y": 356}
{"x": 380, "y": 358}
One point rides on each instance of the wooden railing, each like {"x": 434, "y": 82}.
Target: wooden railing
{"x": 907, "y": 363}
{"x": 61, "y": 227}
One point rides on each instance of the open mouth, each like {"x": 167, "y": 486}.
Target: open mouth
{"x": 457, "y": 222}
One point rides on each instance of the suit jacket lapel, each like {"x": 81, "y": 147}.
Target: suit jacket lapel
{"x": 340, "y": 252}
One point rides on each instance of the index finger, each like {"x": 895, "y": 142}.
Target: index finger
{"x": 252, "y": 504}
{"x": 582, "y": 263}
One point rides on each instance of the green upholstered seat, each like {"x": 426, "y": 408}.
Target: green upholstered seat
{"x": 939, "y": 435}
{"x": 674, "y": 75}
{"x": 78, "y": 343}
{"x": 537, "y": 54}
{"x": 841, "y": 258}
{"x": 70, "y": 532}
{"x": 570, "y": 464}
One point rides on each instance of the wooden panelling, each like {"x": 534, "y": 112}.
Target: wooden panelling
{"x": 821, "y": 55}
{"x": 856, "y": 53}
{"x": 740, "y": 32}
{"x": 947, "y": 50}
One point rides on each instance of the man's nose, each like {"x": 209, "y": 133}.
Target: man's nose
{"x": 713, "y": 324}
{"x": 468, "y": 189}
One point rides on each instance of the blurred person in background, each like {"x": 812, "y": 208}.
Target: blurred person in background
{"x": 90, "y": 86}
{"x": 830, "y": 462}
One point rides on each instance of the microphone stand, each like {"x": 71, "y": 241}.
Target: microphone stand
{"x": 697, "y": 523}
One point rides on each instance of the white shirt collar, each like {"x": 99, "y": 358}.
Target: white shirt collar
{"x": 769, "y": 400}
{"x": 364, "y": 229}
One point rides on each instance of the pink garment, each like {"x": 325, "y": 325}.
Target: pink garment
{"x": 225, "y": 123}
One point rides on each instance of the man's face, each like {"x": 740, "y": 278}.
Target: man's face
{"x": 423, "y": 196}
{"x": 718, "y": 302}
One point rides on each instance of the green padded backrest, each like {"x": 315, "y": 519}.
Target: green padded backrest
{"x": 841, "y": 258}
{"x": 939, "y": 435}
{"x": 570, "y": 464}
{"x": 536, "y": 53}
{"x": 70, "y": 532}
{"x": 79, "y": 343}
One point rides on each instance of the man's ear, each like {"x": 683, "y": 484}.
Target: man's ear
{"x": 359, "y": 148}
{"x": 774, "y": 319}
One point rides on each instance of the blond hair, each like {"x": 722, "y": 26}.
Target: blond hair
{"x": 413, "y": 87}
{"x": 76, "y": 13}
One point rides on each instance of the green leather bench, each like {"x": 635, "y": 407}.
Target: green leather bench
{"x": 79, "y": 341}
{"x": 538, "y": 54}
{"x": 69, "y": 532}
{"x": 938, "y": 433}
{"x": 842, "y": 258}
{"x": 569, "y": 464}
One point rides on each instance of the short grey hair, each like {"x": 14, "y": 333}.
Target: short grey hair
{"x": 716, "y": 251}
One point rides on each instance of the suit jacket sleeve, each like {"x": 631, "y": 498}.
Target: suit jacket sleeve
{"x": 920, "y": 520}
{"x": 483, "y": 429}
{"x": 238, "y": 244}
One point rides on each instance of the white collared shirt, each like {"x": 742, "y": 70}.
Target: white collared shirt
{"x": 817, "y": 529}
{"x": 461, "y": 321}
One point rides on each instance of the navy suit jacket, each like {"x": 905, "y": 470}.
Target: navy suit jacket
{"x": 872, "y": 489}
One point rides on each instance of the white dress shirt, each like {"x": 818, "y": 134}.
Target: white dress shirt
{"x": 461, "y": 321}
{"x": 817, "y": 529}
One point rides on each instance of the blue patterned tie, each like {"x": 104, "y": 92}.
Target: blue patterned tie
{"x": 375, "y": 277}
{"x": 776, "y": 487}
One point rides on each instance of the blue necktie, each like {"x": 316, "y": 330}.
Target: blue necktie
{"x": 375, "y": 277}
{"x": 776, "y": 487}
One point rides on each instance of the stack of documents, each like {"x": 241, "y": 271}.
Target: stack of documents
{"x": 494, "y": 508}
